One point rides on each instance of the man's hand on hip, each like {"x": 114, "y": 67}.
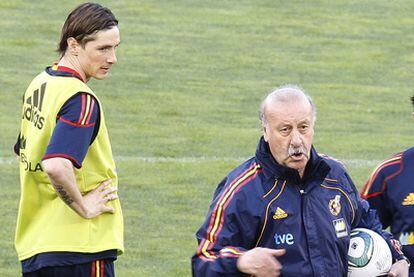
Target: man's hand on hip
{"x": 95, "y": 202}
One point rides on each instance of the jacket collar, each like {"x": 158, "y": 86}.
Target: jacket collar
{"x": 63, "y": 71}
{"x": 316, "y": 167}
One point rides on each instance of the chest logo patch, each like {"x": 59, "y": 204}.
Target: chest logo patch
{"x": 335, "y": 205}
{"x": 279, "y": 214}
{"x": 340, "y": 228}
{"x": 284, "y": 239}
{"x": 407, "y": 238}
{"x": 409, "y": 200}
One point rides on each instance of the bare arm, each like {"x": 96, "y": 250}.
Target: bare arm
{"x": 90, "y": 205}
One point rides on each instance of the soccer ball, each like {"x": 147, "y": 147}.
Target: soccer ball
{"x": 368, "y": 255}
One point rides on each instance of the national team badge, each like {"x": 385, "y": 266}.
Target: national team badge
{"x": 340, "y": 228}
{"x": 335, "y": 205}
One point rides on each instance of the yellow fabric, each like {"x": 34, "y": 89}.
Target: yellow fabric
{"x": 45, "y": 223}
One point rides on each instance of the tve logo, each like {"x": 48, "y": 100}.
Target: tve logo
{"x": 284, "y": 238}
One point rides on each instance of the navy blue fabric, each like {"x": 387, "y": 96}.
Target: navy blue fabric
{"x": 392, "y": 185}
{"x": 76, "y": 270}
{"x": 62, "y": 259}
{"x": 72, "y": 140}
{"x": 314, "y": 247}
{"x": 16, "y": 147}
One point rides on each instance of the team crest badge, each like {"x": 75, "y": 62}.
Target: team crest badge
{"x": 335, "y": 205}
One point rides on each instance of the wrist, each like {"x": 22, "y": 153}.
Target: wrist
{"x": 404, "y": 258}
{"x": 80, "y": 207}
{"x": 84, "y": 208}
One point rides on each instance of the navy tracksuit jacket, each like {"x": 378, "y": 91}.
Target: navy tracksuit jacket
{"x": 390, "y": 190}
{"x": 264, "y": 204}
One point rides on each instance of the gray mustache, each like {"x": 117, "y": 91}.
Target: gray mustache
{"x": 297, "y": 150}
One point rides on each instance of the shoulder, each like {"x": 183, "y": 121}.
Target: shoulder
{"x": 338, "y": 175}
{"x": 241, "y": 181}
{"x": 383, "y": 173}
{"x": 336, "y": 166}
{"x": 239, "y": 195}
{"x": 408, "y": 155}
{"x": 244, "y": 174}
{"x": 64, "y": 83}
{"x": 388, "y": 166}
{"x": 245, "y": 170}
{"x": 38, "y": 80}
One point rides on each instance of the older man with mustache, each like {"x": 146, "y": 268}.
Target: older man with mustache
{"x": 288, "y": 211}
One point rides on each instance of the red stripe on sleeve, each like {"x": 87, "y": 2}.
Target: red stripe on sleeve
{"x": 74, "y": 124}
{"x": 366, "y": 188}
{"x": 58, "y": 155}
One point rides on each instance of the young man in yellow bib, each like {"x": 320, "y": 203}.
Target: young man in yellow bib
{"x": 70, "y": 220}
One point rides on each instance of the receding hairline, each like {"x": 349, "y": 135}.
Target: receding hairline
{"x": 285, "y": 94}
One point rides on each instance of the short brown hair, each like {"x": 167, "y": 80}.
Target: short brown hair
{"x": 84, "y": 21}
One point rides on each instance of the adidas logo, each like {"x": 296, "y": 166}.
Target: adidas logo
{"x": 33, "y": 107}
{"x": 279, "y": 214}
{"x": 409, "y": 200}
{"x": 36, "y": 100}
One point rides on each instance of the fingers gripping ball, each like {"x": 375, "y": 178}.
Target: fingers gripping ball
{"x": 368, "y": 255}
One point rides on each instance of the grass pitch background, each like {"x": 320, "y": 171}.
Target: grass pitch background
{"x": 181, "y": 104}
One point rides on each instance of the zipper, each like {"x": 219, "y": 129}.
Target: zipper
{"x": 302, "y": 199}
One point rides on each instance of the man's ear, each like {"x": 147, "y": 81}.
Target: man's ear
{"x": 73, "y": 46}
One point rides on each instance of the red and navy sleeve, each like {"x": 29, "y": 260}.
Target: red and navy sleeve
{"x": 366, "y": 217}
{"x": 224, "y": 236}
{"x": 374, "y": 190}
{"x": 76, "y": 128}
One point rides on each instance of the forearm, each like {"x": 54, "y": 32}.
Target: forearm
{"x": 62, "y": 177}
{"x": 89, "y": 205}
{"x": 369, "y": 219}
{"x": 220, "y": 266}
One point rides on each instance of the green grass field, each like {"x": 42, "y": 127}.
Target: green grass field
{"x": 181, "y": 104}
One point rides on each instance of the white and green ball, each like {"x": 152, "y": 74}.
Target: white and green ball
{"x": 368, "y": 255}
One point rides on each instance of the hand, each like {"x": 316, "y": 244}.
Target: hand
{"x": 399, "y": 269}
{"x": 261, "y": 262}
{"x": 94, "y": 202}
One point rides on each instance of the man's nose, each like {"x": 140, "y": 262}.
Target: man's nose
{"x": 296, "y": 140}
{"x": 112, "y": 57}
